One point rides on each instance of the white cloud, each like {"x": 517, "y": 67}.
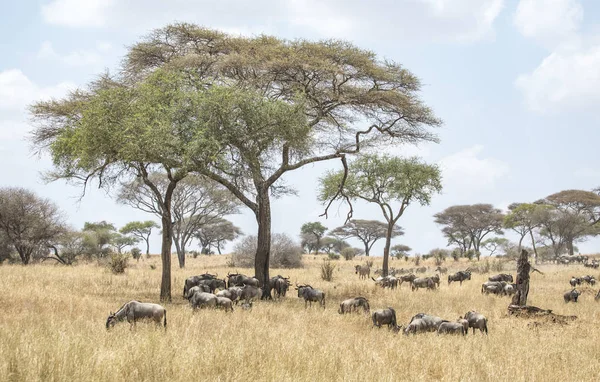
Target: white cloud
{"x": 567, "y": 79}
{"x": 77, "y": 13}
{"x": 548, "y": 22}
{"x": 82, "y": 57}
{"x": 466, "y": 170}
{"x": 17, "y": 91}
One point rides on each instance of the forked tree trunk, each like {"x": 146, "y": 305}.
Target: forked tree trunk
{"x": 179, "y": 247}
{"x": 533, "y": 245}
{"x": 523, "y": 268}
{"x": 263, "y": 246}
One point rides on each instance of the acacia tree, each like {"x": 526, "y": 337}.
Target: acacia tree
{"x": 391, "y": 183}
{"x": 494, "y": 244}
{"x": 524, "y": 218}
{"x": 563, "y": 228}
{"x": 216, "y": 233}
{"x": 196, "y": 201}
{"x": 28, "y": 222}
{"x": 118, "y": 129}
{"x": 141, "y": 230}
{"x": 470, "y": 224}
{"x": 367, "y": 231}
{"x": 275, "y": 106}
{"x": 314, "y": 231}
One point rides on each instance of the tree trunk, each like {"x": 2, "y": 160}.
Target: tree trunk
{"x": 24, "y": 253}
{"x": 569, "y": 243}
{"x": 179, "y": 247}
{"x": 386, "y": 249}
{"x": 366, "y": 248}
{"x": 147, "y": 247}
{"x": 317, "y": 247}
{"x": 534, "y": 248}
{"x": 167, "y": 242}
{"x": 263, "y": 246}
{"x": 523, "y": 268}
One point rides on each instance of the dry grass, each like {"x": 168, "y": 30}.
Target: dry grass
{"x": 52, "y": 328}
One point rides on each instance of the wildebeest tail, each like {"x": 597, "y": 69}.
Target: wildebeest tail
{"x": 393, "y": 316}
{"x": 165, "y": 318}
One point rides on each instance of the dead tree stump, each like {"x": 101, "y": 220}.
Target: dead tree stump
{"x": 523, "y": 268}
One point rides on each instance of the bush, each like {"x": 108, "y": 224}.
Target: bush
{"x": 417, "y": 260}
{"x": 117, "y": 262}
{"x": 333, "y": 256}
{"x": 285, "y": 252}
{"x": 230, "y": 263}
{"x": 348, "y": 253}
{"x": 136, "y": 253}
{"x": 327, "y": 269}
{"x": 194, "y": 254}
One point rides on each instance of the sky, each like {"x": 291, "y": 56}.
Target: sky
{"x": 517, "y": 84}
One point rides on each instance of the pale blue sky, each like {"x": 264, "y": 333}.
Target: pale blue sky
{"x": 517, "y": 84}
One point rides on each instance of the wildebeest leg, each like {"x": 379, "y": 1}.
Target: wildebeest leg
{"x": 305, "y": 304}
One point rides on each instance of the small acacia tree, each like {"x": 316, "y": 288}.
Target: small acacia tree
{"x": 400, "y": 250}
{"x": 391, "y": 183}
{"x": 314, "y": 230}
{"x": 141, "y": 230}
{"x": 367, "y": 231}
{"x": 217, "y": 233}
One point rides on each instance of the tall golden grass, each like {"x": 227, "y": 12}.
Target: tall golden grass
{"x": 52, "y": 328}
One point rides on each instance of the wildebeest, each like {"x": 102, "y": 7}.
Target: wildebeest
{"x": 385, "y": 317}
{"x": 447, "y": 327}
{"x": 509, "y": 289}
{"x": 386, "y": 282}
{"x": 238, "y": 279}
{"x": 495, "y": 287}
{"x": 353, "y": 304}
{"x": 408, "y": 278}
{"x": 196, "y": 289}
{"x": 572, "y": 295}
{"x": 501, "y": 277}
{"x": 588, "y": 279}
{"x": 459, "y": 276}
{"x": 310, "y": 295}
{"x": 363, "y": 271}
{"x": 232, "y": 293}
{"x": 213, "y": 284}
{"x": 192, "y": 281}
{"x": 134, "y": 311}
{"x": 225, "y": 303}
{"x": 464, "y": 323}
{"x": 203, "y": 299}
{"x": 436, "y": 279}
{"x": 476, "y": 321}
{"x": 281, "y": 286}
{"x": 421, "y": 270}
{"x": 423, "y": 282}
{"x": 249, "y": 292}
{"x": 432, "y": 323}
{"x": 575, "y": 281}
{"x": 441, "y": 270}
{"x": 415, "y": 326}
{"x": 247, "y": 305}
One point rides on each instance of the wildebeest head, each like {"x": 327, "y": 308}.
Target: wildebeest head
{"x": 111, "y": 320}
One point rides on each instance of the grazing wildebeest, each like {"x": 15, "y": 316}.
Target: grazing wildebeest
{"x": 203, "y": 299}
{"x": 134, "y": 311}
{"x": 501, "y": 277}
{"x": 225, "y": 303}
{"x": 441, "y": 270}
{"x": 572, "y": 295}
{"x": 588, "y": 279}
{"x": 447, "y": 327}
{"x": 193, "y": 281}
{"x": 492, "y": 288}
{"x": 431, "y": 323}
{"x": 213, "y": 284}
{"x": 353, "y": 304}
{"x": 232, "y": 293}
{"x": 363, "y": 271}
{"x": 408, "y": 278}
{"x": 250, "y": 292}
{"x": 459, "y": 276}
{"x": 415, "y": 326}
{"x": 385, "y": 317}
{"x": 575, "y": 281}
{"x": 310, "y": 295}
{"x": 423, "y": 282}
{"x": 477, "y": 321}
{"x": 196, "y": 289}
{"x": 386, "y": 282}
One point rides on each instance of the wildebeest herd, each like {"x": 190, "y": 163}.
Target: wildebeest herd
{"x": 209, "y": 291}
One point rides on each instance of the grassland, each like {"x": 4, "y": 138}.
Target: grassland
{"x": 52, "y": 329}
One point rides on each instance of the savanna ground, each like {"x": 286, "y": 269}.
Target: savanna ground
{"x": 52, "y": 327}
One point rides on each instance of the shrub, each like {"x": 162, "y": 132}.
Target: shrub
{"x": 327, "y": 269}
{"x": 333, "y": 256}
{"x": 230, "y": 263}
{"x": 118, "y": 262}
{"x": 285, "y": 252}
{"x": 348, "y": 253}
{"x": 136, "y": 253}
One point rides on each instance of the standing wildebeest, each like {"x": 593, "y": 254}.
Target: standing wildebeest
{"x": 193, "y": 281}
{"x": 135, "y": 310}
{"x": 572, "y": 295}
{"x": 575, "y": 281}
{"x": 385, "y": 317}
{"x": 459, "y": 276}
{"x": 441, "y": 270}
{"x": 436, "y": 279}
{"x": 213, "y": 284}
{"x": 232, "y": 293}
{"x": 225, "y": 303}
{"x": 238, "y": 279}
{"x": 477, "y": 321}
{"x": 588, "y": 279}
{"x": 250, "y": 292}
{"x": 363, "y": 271}
{"x": 386, "y": 282}
{"x": 421, "y": 270}
{"x": 352, "y": 304}
{"x": 408, "y": 278}
{"x": 203, "y": 299}
{"x": 280, "y": 285}
{"x": 447, "y": 327}
{"x": 423, "y": 282}
{"x": 509, "y": 289}
{"x": 432, "y": 323}
{"x": 501, "y": 277}
{"x": 197, "y": 289}
{"x": 464, "y": 323}
{"x": 310, "y": 294}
